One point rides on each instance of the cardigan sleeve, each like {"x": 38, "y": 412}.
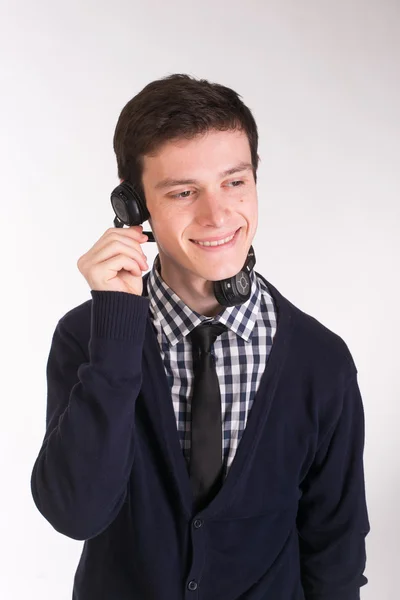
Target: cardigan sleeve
{"x": 79, "y": 479}
{"x": 332, "y": 518}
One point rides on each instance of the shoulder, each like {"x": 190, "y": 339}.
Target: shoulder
{"x": 311, "y": 342}
{"x": 321, "y": 341}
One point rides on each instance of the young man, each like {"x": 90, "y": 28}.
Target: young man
{"x": 272, "y": 509}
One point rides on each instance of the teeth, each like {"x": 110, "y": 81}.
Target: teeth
{"x": 220, "y": 243}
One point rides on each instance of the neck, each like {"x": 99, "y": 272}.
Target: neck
{"x": 197, "y": 294}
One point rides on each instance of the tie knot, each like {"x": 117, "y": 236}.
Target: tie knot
{"x": 204, "y": 335}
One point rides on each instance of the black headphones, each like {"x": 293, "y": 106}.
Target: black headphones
{"x": 131, "y": 209}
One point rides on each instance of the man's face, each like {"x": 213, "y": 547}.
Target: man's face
{"x": 212, "y": 205}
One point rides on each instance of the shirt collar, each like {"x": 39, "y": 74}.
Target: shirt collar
{"x": 177, "y": 320}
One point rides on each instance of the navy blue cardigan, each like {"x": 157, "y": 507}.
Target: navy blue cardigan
{"x": 290, "y": 520}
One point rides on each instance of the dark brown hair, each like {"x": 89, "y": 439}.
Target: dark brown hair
{"x": 177, "y": 106}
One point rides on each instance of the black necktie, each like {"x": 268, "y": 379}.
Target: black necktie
{"x": 206, "y": 429}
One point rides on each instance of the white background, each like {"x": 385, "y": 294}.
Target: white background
{"x": 322, "y": 80}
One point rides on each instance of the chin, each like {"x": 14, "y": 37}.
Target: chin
{"x": 219, "y": 272}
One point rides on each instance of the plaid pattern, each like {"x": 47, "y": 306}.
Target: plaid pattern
{"x": 241, "y": 355}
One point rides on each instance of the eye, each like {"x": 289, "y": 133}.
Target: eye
{"x": 180, "y": 194}
{"x": 237, "y": 181}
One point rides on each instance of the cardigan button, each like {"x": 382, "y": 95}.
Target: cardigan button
{"x": 192, "y": 585}
{"x": 197, "y": 523}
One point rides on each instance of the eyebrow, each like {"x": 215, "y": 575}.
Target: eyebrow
{"x": 168, "y": 182}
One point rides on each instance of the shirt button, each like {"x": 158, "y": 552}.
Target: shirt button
{"x": 192, "y": 585}
{"x": 197, "y": 523}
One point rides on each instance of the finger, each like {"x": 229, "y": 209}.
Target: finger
{"x": 113, "y": 239}
{"x": 108, "y": 269}
{"x": 135, "y": 231}
{"x": 118, "y": 247}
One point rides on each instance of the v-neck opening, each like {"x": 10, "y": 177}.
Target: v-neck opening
{"x": 255, "y": 422}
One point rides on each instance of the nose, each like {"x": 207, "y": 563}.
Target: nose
{"x": 212, "y": 210}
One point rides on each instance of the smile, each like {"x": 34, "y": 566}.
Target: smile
{"x": 228, "y": 241}
{"x": 220, "y": 243}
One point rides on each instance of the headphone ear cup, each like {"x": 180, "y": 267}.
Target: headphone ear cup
{"x": 141, "y": 205}
{"x": 128, "y": 205}
{"x": 234, "y": 290}
{"x": 219, "y": 292}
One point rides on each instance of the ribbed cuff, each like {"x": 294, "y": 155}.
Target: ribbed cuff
{"x": 118, "y": 315}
